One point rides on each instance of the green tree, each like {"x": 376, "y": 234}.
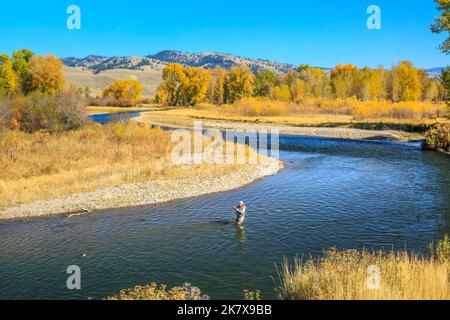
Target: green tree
{"x": 445, "y": 81}
{"x": 239, "y": 83}
{"x": 21, "y": 64}
{"x": 265, "y": 81}
{"x": 442, "y": 23}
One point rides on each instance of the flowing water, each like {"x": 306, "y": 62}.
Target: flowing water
{"x": 332, "y": 193}
{"x": 105, "y": 118}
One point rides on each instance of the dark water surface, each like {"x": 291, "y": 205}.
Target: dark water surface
{"x": 332, "y": 193}
{"x": 105, "y": 118}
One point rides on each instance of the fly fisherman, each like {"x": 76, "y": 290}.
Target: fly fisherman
{"x": 240, "y": 213}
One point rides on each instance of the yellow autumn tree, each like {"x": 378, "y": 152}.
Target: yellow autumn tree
{"x": 124, "y": 92}
{"x": 342, "y": 80}
{"x": 183, "y": 85}
{"x": 371, "y": 85}
{"x": 318, "y": 81}
{"x": 216, "y": 90}
{"x": 8, "y": 78}
{"x": 299, "y": 90}
{"x": 195, "y": 86}
{"x": 406, "y": 84}
{"x": 239, "y": 83}
{"x": 282, "y": 93}
{"x": 170, "y": 90}
{"x": 46, "y": 75}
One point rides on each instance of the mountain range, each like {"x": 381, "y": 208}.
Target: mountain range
{"x": 208, "y": 60}
{"x": 97, "y": 71}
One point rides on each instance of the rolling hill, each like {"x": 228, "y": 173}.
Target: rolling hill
{"x": 98, "y": 71}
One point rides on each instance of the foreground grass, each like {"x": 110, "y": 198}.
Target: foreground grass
{"x": 348, "y": 275}
{"x": 42, "y": 165}
{"x": 345, "y": 275}
{"x": 155, "y": 292}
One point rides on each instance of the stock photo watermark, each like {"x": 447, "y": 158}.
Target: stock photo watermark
{"x": 74, "y": 280}
{"x": 213, "y": 146}
{"x": 373, "y": 277}
{"x": 374, "y": 20}
{"x": 74, "y": 19}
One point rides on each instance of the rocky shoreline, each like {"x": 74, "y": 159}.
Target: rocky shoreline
{"x": 145, "y": 193}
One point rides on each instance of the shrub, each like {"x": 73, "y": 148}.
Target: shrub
{"x": 52, "y": 113}
{"x": 111, "y": 102}
{"x": 259, "y": 107}
{"x": 155, "y": 292}
{"x": 440, "y": 250}
{"x": 358, "y": 109}
{"x": 5, "y": 111}
{"x": 438, "y": 138}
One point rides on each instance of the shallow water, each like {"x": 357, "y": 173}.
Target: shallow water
{"x": 105, "y": 118}
{"x": 345, "y": 194}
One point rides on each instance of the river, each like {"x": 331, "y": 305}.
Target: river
{"x": 332, "y": 193}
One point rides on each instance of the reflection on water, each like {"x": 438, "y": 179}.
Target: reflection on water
{"x": 240, "y": 233}
{"x": 345, "y": 194}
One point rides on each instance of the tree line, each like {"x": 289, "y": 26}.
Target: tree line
{"x": 186, "y": 86}
{"x": 34, "y": 94}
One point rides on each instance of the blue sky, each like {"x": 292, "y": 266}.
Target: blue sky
{"x": 322, "y": 33}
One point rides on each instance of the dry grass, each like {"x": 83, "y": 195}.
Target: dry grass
{"x": 91, "y": 110}
{"x": 42, "y": 165}
{"x": 351, "y": 113}
{"x": 345, "y": 276}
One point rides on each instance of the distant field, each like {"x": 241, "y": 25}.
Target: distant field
{"x": 150, "y": 78}
{"x": 90, "y": 110}
{"x": 181, "y": 116}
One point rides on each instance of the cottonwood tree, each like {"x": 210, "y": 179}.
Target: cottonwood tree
{"x": 21, "y": 64}
{"x": 46, "y": 75}
{"x": 8, "y": 78}
{"x": 195, "y": 85}
{"x": 406, "y": 84}
{"x": 216, "y": 90}
{"x": 343, "y": 80}
{"x": 264, "y": 83}
{"x": 124, "y": 91}
{"x": 170, "y": 89}
{"x": 239, "y": 83}
{"x": 442, "y": 23}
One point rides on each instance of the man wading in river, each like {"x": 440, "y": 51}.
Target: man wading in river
{"x": 240, "y": 213}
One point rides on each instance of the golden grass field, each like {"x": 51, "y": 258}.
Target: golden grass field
{"x": 91, "y": 110}
{"x": 42, "y": 165}
{"x": 410, "y": 117}
{"x": 347, "y": 276}
{"x": 149, "y": 77}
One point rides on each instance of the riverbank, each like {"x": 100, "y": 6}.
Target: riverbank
{"x": 184, "y": 118}
{"x": 146, "y": 193}
{"x": 95, "y": 110}
{"x": 101, "y": 167}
